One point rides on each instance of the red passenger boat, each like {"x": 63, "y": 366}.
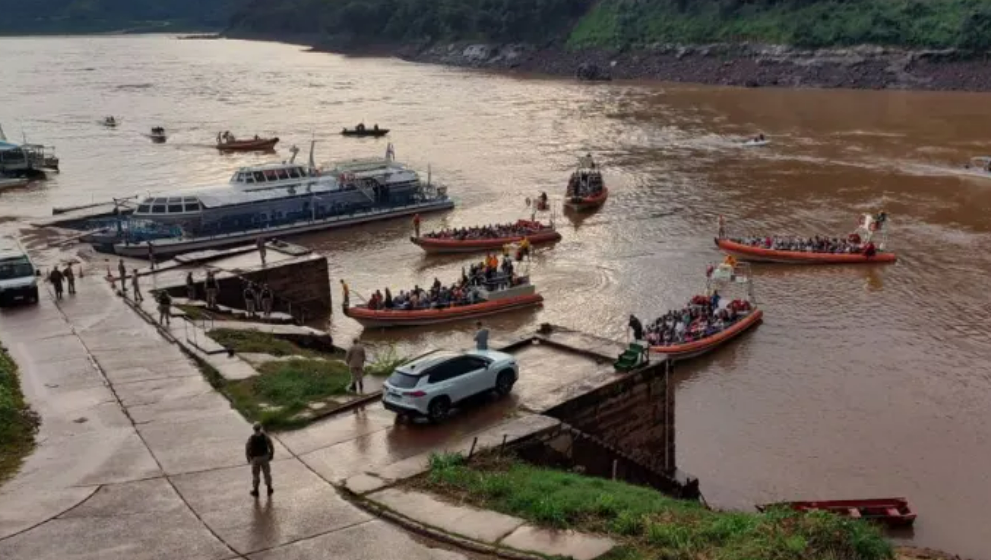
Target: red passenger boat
{"x": 227, "y": 143}
{"x": 486, "y": 300}
{"x": 586, "y": 189}
{"x": 712, "y": 320}
{"x": 458, "y": 242}
{"x": 893, "y": 512}
{"x": 865, "y": 245}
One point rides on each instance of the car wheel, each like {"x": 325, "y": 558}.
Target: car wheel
{"x": 439, "y": 409}
{"x": 504, "y": 383}
{"x": 34, "y": 295}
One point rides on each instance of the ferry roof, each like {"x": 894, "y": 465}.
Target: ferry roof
{"x": 4, "y": 146}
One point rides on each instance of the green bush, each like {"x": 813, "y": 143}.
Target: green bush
{"x": 18, "y": 423}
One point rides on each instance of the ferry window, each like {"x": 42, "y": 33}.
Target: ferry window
{"x": 294, "y": 173}
{"x": 238, "y": 178}
{"x": 160, "y": 201}
{"x": 192, "y": 207}
{"x": 175, "y": 208}
{"x": 158, "y": 209}
{"x": 144, "y": 208}
{"x": 283, "y": 174}
{"x": 259, "y": 177}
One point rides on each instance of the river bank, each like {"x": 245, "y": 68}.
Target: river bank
{"x": 743, "y": 65}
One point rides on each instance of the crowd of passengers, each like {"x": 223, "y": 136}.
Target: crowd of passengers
{"x": 852, "y": 244}
{"x": 522, "y": 228}
{"x": 701, "y": 318}
{"x": 489, "y": 273}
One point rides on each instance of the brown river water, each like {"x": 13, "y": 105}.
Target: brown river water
{"x": 862, "y": 381}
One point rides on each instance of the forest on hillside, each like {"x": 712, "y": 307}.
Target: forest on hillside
{"x": 97, "y": 16}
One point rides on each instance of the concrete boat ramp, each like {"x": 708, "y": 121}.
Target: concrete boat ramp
{"x": 139, "y": 458}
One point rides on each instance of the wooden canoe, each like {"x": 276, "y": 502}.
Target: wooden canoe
{"x": 434, "y": 245}
{"x": 893, "y": 512}
{"x": 582, "y": 204}
{"x": 758, "y": 254}
{"x": 248, "y": 145}
{"x": 697, "y": 348}
{"x": 418, "y": 317}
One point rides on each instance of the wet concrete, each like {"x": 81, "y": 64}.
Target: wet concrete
{"x": 473, "y": 523}
{"x": 139, "y": 459}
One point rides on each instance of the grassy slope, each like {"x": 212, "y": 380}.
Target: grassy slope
{"x": 913, "y": 23}
{"x": 648, "y": 524}
{"x": 17, "y": 422}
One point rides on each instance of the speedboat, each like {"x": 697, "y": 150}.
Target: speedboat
{"x": 158, "y": 135}
{"x": 865, "y": 245}
{"x": 110, "y": 122}
{"x": 756, "y": 142}
{"x": 360, "y": 130}
{"x": 729, "y": 319}
{"x": 586, "y": 189}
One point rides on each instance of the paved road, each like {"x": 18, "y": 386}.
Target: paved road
{"x": 138, "y": 458}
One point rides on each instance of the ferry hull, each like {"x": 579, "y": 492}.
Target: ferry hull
{"x": 441, "y": 246}
{"x": 169, "y": 247}
{"x": 757, "y": 254}
{"x": 393, "y": 319}
{"x": 698, "y": 348}
{"x": 587, "y": 203}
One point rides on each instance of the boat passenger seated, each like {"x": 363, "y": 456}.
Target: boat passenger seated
{"x": 376, "y": 127}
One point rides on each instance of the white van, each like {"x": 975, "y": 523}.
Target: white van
{"x": 18, "y": 279}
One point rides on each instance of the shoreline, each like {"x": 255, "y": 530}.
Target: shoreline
{"x": 740, "y": 65}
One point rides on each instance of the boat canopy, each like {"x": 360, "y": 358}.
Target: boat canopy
{"x": 271, "y": 173}
{"x": 170, "y": 205}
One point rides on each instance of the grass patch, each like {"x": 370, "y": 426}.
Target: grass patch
{"x": 283, "y": 390}
{"x": 194, "y": 312}
{"x": 260, "y": 343}
{"x": 648, "y": 524}
{"x": 385, "y": 362}
{"x": 18, "y": 423}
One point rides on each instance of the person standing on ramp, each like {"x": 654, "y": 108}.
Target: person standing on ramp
{"x": 260, "y": 451}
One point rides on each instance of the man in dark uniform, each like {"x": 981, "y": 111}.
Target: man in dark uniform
{"x": 637, "y": 327}
{"x": 259, "y": 452}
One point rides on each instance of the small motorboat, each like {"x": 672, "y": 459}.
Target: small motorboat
{"x": 361, "y": 130}
{"x": 586, "y": 189}
{"x": 892, "y": 512}
{"x": 230, "y": 144}
{"x": 858, "y": 247}
{"x": 756, "y": 142}
{"x": 110, "y": 122}
{"x": 158, "y": 135}
{"x": 534, "y": 232}
{"x": 490, "y": 300}
{"x": 978, "y": 167}
{"x": 733, "y": 316}
{"x": 13, "y": 182}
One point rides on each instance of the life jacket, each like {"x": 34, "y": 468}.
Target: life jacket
{"x": 258, "y": 445}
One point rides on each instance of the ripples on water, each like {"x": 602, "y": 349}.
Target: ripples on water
{"x": 861, "y": 381}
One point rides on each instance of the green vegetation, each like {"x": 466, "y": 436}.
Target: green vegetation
{"x": 284, "y": 390}
{"x": 96, "y": 16}
{"x": 385, "y": 363}
{"x": 381, "y": 21}
{"x": 255, "y": 342}
{"x": 811, "y": 23}
{"x": 648, "y": 524}
{"x": 18, "y": 423}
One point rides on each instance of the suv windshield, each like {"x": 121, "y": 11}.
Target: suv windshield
{"x": 403, "y": 381}
{"x": 15, "y": 268}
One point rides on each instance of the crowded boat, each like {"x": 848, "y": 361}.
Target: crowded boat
{"x": 707, "y": 320}
{"x": 489, "y": 286}
{"x": 486, "y": 238}
{"x": 865, "y": 244}
{"x": 586, "y": 189}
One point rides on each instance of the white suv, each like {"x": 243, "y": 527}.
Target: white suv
{"x": 18, "y": 277}
{"x": 430, "y": 385}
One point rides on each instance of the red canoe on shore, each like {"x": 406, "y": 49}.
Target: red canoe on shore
{"x": 744, "y": 252}
{"x": 893, "y": 512}
{"x": 584, "y": 204}
{"x": 248, "y": 145}
{"x": 436, "y": 245}
{"x": 697, "y": 348}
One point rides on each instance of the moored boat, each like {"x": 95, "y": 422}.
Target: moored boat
{"x": 858, "y": 247}
{"x": 586, "y": 189}
{"x": 710, "y": 320}
{"x": 893, "y": 512}
{"x": 485, "y": 290}
{"x": 471, "y": 240}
